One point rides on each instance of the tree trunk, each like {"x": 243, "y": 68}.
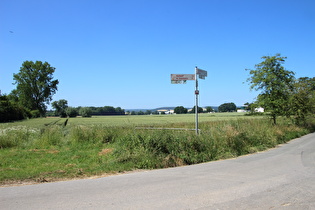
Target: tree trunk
{"x": 274, "y": 118}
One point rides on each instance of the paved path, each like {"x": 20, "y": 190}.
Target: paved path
{"x": 281, "y": 178}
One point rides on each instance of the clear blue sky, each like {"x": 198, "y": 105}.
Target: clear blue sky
{"x": 122, "y": 52}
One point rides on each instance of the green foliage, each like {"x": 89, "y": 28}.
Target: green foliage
{"x": 200, "y": 109}
{"x": 71, "y": 112}
{"x": 303, "y": 99}
{"x": 119, "y": 111}
{"x": 227, "y": 107}
{"x": 180, "y": 110}
{"x": 250, "y": 108}
{"x": 50, "y": 136}
{"x": 60, "y": 107}
{"x": 148, "y": 112}
{"x": 107, "y": 110}
{"x": 10, "y": 111}
{"x": 140, "y": 113}
{"x": 85, "y": 112}
{"x": 209, "y": 109}
{"x": 275, "y": 84}
{"x": 35, "y": 113}
{"x": 17, "y": 137}
{"x": 35, "y": 85}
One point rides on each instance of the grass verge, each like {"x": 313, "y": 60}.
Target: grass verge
{"x": 55, "y": 152}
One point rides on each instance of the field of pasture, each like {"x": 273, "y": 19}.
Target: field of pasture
{"x": 128, "y": 120}
{"x": 51, "y": 149}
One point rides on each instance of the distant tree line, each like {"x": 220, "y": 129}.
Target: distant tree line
{"x": 62, "y": 109}
{"x": 182, "y": 110}
{"x": 107, "y": 110}
{"x": 141, "y": 112}
{"x": 177, "y": 110}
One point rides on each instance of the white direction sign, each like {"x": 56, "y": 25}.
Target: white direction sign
{"x": 177, "y": 77}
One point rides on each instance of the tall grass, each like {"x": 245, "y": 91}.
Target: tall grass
{"x": 219, "y": 139}
{"x": 57, "y": 151}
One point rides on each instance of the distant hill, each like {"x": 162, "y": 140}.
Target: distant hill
{"x": 136, "y": 110}
{"x": 166, "y": 107}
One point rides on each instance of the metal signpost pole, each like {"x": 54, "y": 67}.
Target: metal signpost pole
{"x": 196, "y": 107}
{"x": 182, "y": 78}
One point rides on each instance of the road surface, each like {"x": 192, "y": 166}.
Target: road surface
{"x": 281, "y": 178}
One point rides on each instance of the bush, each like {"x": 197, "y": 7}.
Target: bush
{"x": 35, "y": 114}
{"x": 18, "y": 136}
{"x": 11, "y": 111}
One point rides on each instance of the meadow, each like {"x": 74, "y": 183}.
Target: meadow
{"x": 47, "y": 149}
{"x": 127, "y": 120}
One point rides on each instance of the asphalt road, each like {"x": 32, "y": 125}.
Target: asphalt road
{"x": 281, "y": 178}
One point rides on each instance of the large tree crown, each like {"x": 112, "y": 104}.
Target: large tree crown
{"x": 35, "y": 84}
{"x": 270, "y": 75}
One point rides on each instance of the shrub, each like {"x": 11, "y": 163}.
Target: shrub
{"x": 10, "y": 110}
{"x": 18, "y": 136}
{"x": 35, "y": 114}
{"x": 51, "y": 136}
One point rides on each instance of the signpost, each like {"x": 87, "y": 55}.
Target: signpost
{"x": 202, "y": 73}
{"x": 182, "y": 78}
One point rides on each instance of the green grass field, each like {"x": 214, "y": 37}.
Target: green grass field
{"x": 40, "y": 150}
{"x": 128, "y": 120}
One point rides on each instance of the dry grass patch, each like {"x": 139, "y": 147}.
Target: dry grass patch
{"x": 105, "y": 151}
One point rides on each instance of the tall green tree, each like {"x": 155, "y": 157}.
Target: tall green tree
{"x": 35, "y": 85}
{"x": 180, "y": 110}
{"x": 209, "y": 109}
{"x": 60, "y": 107}
{"x": 119, "y": 111}
{"x": 227, "y": 107}
{"x": 275, "y": 84}
{"x": 71, "y": 112}
{"x": 303, "y": 99}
